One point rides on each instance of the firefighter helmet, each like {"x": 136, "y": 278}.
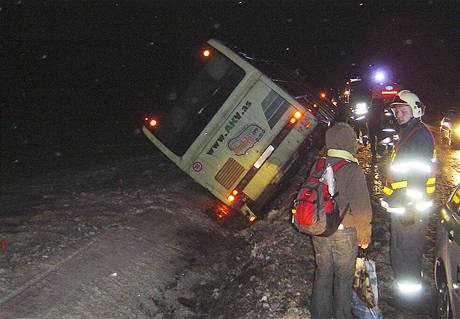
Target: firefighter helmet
{"x": 406, "y": 97}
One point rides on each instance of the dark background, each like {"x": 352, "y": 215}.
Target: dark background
{"x": 80, "y": 75}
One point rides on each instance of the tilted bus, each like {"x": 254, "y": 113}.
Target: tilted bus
{"x": 235, "y": 126}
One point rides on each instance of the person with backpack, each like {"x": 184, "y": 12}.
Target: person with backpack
{"x": 336, "y": 254}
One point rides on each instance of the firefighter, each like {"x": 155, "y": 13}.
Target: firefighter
{"x": 408, "y": 190}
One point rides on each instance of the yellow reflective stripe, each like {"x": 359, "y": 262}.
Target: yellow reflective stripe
{"x": 431, "y": 181}
{"x": 393, "y": 154}
{"x": 430, "y": 189}
{"x": 434, "y": 153}
{"x": 387, "y": 191}
{"x": 456, "y": 198}
{"x": 401, "y": 184}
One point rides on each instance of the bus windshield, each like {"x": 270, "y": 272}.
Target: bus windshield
{"x": 187, "y": 109}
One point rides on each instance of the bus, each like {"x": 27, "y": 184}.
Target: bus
{"x": 235, "y": 124}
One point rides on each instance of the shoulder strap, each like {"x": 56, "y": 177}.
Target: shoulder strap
{"x": 320, "y": 164}
{"x": 339, "y": 165}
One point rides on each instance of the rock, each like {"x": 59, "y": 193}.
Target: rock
{"x": 216, "y": 293}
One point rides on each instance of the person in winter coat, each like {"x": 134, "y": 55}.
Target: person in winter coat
{"x": 336, "y": 254}
{"x": 408, "y": 190}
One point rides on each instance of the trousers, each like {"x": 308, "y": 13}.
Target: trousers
{"x": 407, "y": 244}
{"x": 335, "y": 267}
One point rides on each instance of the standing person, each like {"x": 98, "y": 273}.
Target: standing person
{"x": 336, "y": 255}
{"x": 409, "y": 186}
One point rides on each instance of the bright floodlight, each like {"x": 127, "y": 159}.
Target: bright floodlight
{"x": 379, "y": 76}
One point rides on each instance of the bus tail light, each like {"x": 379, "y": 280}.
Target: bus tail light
{"x": 151, "y": 121}
{"x": 206, "y": 53}
{"x": 231, "y": 198}
{"x": 295, "y": 117}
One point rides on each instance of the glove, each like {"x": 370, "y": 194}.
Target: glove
{"x": 364, "y": 238}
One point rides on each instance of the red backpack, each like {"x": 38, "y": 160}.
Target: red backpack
{"x": 315, "y": 211}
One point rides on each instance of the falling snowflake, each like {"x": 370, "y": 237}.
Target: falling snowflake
{"x": 408, "y": 42}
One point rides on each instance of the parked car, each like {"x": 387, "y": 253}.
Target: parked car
{"x": 450, "y": 129}
{"x": 447, "y": 265}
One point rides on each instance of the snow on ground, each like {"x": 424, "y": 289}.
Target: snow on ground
{"x": 135, "y": 238}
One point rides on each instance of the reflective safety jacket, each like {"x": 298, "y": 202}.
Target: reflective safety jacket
{"x": 411, "y": 175}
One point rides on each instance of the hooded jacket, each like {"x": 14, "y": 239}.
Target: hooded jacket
{"x": 350, "y": 181}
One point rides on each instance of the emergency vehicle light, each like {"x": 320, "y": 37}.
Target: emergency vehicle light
{"x": 392, "y": 92}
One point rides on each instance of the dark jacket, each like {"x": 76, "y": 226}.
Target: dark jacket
{"x": 420, "y": 144}
{"x": 415, "y": 145}
{"x": 350, "y": 183}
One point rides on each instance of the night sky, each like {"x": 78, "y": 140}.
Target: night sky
{"x": 81, "y": 72}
